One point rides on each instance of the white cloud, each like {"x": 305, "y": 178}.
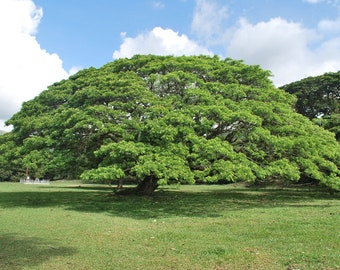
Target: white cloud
{"x": 329, "y": 26}
{"x": 158, "y": 5}
{"x": 285, "y": 48}
{"x": 207, "y": 20}
{"x": 335, "y": 3}
{"x": 74, "y": 70}
{"x": 276, "y": 45}
{"x": 288, "y": 49}
{"x": 26, "y": 69}
{"x": 19, "y": 17}
{"x": 313, "y": 1}
{"x": 159, "y": 41}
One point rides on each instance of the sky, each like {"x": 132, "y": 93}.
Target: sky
{"x": 45, "y": 41}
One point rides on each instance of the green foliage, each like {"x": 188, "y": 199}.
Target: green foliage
{"x": 318, "y": 98}
{"x": 163, "y": 120}
{"x": 317, "y": 95}
{"x": 331, "y": 123}
{"x": 108, "y": 173}
{"x": 10, "y": 159}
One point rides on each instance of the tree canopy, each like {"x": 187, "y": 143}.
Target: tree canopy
{"x": 163, "y": 119}
{"x": 318, "y": 98}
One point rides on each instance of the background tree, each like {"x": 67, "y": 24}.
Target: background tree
{"x": 163, "y": 119}
{"x": 318, "y": 98}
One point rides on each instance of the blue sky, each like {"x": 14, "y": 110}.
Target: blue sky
{"x": 85, "y": 33}
{"x": 44, "y": 41}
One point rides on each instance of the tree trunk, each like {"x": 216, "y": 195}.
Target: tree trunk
{"x": 147, "y": 186}
{"x": 120, "y": 184}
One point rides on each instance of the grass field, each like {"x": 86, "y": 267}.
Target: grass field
{"x": 70, "y": 225}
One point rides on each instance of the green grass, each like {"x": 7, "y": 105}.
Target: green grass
{"x": 69, "y": 225}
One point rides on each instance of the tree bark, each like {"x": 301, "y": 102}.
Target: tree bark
{"x": 120, "y": 184}
{"x": 147, "y": 186}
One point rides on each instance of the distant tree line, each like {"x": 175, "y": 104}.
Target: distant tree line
{"x": 318, "y": 98}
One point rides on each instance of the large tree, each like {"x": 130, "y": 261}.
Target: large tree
{"x": 162, "y": 119}
{"x": 318, "y": 98}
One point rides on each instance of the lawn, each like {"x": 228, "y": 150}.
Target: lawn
{"x": 70, "y": 225}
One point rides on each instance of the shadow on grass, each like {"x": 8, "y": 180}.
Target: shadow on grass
{"x": 198, "y": 202}
{"x": 17, "y": 252}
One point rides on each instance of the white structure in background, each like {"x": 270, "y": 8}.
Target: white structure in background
{"x": 28, "y": 180}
